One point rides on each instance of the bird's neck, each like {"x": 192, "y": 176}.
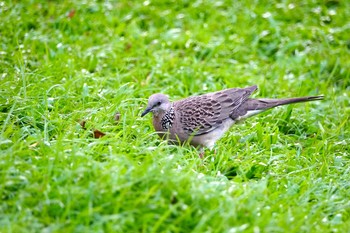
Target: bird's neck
{"x": 159, "y": 117}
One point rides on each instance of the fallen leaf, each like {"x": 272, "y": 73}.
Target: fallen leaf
{"x": 128, "y": 46}
{"x": 98, "y": 134}
{"x": 82, "y": 124}
{"x": 117, "y": 117}
{"x": 71, "y": 14}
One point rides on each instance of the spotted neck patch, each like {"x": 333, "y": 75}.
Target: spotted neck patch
{"x": 168, "y": 119}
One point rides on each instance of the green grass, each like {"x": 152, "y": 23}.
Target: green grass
{"x": 286, "y": 170}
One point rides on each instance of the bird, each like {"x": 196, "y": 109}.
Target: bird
{"x": 202, "y": 120}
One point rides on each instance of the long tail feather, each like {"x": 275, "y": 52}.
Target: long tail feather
{"x": 261, "y": 104}
{"x": 252, "y": 107}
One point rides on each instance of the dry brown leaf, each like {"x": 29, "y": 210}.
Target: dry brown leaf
{"x": 82, "y": 124}
{"x": 98, "y": 134}
{"x": 71, "y": 14}
{"x": 117, "y": 117}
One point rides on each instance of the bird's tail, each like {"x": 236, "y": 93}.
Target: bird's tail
{"x": 262, "y": 104}
{"x": 254, "y": 106}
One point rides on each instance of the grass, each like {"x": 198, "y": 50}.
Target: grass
{"x": 286, "y": 170}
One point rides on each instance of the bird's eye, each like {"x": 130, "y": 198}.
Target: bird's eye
{"x": 157, "y": 104}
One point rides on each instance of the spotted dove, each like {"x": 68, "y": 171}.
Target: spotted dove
{"x": 202, "y": 120}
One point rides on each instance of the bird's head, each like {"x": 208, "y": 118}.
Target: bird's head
{"x": 157, "y": 103}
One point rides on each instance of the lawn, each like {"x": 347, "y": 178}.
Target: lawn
{"x": 68, "y": 67}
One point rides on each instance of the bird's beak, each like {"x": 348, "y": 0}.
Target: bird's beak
{"x": 146, "y": 111}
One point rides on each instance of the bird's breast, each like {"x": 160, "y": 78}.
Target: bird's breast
{"x": 157, "y": 124}
{"x": 167, "y": 126}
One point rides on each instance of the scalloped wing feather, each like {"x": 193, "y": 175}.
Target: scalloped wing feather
{"x": 202, "y": 114}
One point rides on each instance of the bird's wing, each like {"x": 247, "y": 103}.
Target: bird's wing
{"x": 201, "y": 114}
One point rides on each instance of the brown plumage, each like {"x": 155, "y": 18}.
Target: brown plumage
{"x": 202, "y": 120}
